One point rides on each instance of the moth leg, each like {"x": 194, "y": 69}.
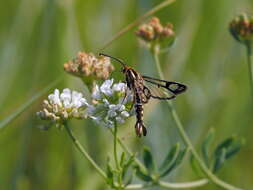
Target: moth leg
{"x": 125, "y": 95}
{"x": 133, "y": 103}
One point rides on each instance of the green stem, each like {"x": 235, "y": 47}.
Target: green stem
{"x": 137, "y": 21}
{"x": 84, "y": 153}
{"x": 166, "y": 185}
{"x": 249, "y": 60}
{"x": 115, "y": 146}
{"x": 126, "y": 149}
{"x": 184, "y": 185}
{"x": 185, "y": 137}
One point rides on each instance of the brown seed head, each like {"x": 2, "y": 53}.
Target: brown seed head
{"x": 154, "y": 32}
{"x": 87, "y": 65}
{"x": 241, "y": 28}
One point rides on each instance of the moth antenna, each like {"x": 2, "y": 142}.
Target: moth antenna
{"x": 116, "y": 59}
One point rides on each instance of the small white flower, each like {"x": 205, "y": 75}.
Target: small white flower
{"x": 54, "y": 98}
{"x": 109, "y": 106}
{"x": 119, "y": 87}
{"x": 125, "y": 114}
{"x": 59, "y": 107}
{"x": 106, "y": 87}
{"x": 96, "y": 94}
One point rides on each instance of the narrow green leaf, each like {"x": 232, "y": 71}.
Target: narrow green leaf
{"x": 220, "y": 159}
{"x": 109, "y": 174}
{"x": 126, "y": 165}
{"x": 176, "y": 163}
{"x": 171, "y": 156}
{"x": 142, "y": 175}
{"x": 23, "y": 107}
{"x": 148, "y": 159}
{"x": 225, "y": 144}
{"x": 235, "y": 148}
{"x": 122, "y": 159}
{"x": 205, "y": 146}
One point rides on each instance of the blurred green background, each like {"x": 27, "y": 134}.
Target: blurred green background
{"x": 38, "y": 36}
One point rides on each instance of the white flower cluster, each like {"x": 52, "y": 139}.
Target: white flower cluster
{"x": 63, "y": 106}
{"x": 111, "y": 103}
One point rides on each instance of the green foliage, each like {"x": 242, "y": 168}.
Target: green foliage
{"x": 226, "y": 150}
{"x": 223, "y": 151}
{"x": 206, "y": 145}
{"x": 110, "y": 174}
{"x": 148, "y": 159}
{"x": 172, "y": 160}
{"x": 143, "y": 175}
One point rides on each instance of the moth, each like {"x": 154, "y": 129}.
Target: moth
{"x": 144, "y": 88}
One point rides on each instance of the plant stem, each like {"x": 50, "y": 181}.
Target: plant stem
{"x": 115, "y": 146}
{"x": 184, "y": 136}
{"x": 184, "y": 185}
{"x": 83, "y": 152}
{"x": 166, "y": 185}
{"x": 249, "y": 60}
{"x": 126, "y": 149}
{"x": 137, "y": 21}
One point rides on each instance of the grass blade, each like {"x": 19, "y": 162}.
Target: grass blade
{"x": 22, "y": 108}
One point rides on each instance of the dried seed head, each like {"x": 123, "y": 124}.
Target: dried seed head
{"x": 153, "y": 33}
{"x": 241, "y": 28}
{"x": 156, "y": 25}
{"x": 167, "y": 30}
{"x": 88, "y": 66}
{"x": 146, "y": 32}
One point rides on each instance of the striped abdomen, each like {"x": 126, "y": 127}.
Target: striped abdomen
{"x": 139, "y": 126}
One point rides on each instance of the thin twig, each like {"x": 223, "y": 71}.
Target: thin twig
{"x": 137, "y": 21}
{"x": 249, "y": 60}
{"x": 115, "y": 146}
{"x": 166, "y": 185}
{"x": 84, "y": 152}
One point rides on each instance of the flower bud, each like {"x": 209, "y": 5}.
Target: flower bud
{"x": 154, "y": 33}
{"x": 241, "y": 28}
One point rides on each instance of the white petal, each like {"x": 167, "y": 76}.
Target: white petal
{"x": 125, "y": 114}
{"x": 120, "y": 107}
{"x": 96, "y": 93}
{"x": 54, "y": 98}
{"x": 106, "y": 87}
{"x": 111, "y": 113}
{"x": 84, "y": 102}
{"x": 106, "y": 102}
{"x": 91, "y": 110}
{"x": 119, "y": 87}
{"x": 112, "y": 107}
